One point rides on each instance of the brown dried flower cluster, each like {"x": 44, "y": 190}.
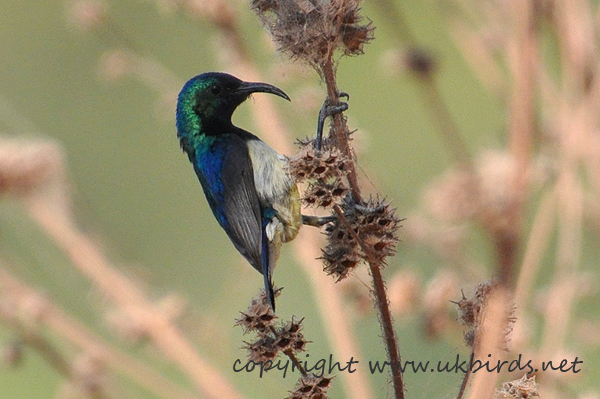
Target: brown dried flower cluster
{"x": 373, "y": 223}
{"x": 311, "y": 30}
{"x": 259, "y": 316}
{"x": 472, "y": 311}
{"x": 523, "y": 388}
{"x": 311, "y": 387}
{"x": 325, "y": 170}
{"x": 271, "y": 339}
{"x": 310, "y": 163}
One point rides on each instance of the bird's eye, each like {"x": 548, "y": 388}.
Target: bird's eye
{"x": 216, "y": 89}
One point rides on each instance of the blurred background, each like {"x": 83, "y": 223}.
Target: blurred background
{"x": 92, "y": 174}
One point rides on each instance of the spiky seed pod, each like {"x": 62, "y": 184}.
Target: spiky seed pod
{"x": 311, "y": 387}
{"x": 341, "y": 255}
{"x": 375, "y": 224}
{"x": 523, "y": 388}
{"x": 340, "y": 260}
{"x": 311, "y": 30}
{"x": 259, "y": 316}
{"x": 270, "y": 338}
{"x": 290, "y": 337}
{"x": 471, "y": 312}
{"x": 325, "y": 195}
{"x": 466, "y": 311}
{"x": 309, "y": 163}
{"x": 469, "y": 338}
{"x": 262, "y": 349}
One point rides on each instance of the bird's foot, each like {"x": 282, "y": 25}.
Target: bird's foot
{"x": 328, "y": 109}
{"x": 351, "y": 209}
{"x": 352, "y": 206}
{"x": 317, "y": 221}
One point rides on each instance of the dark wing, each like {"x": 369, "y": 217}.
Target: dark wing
{"x": 243, "y": 213}
{"x": 241, "y": 206}
{"x": 226, "y": 174}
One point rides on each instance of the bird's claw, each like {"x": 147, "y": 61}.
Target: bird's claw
{"x": 317, "y": 221}
{"x": 327, "y": 110}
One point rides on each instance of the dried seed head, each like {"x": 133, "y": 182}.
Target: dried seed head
{"x": 262, "y": 349}
{"x": 325, "y": 195}
{"x": 290, "y": 337}
{"x": 311, "y": 387}
{"x": 270, "y": 339}
{"x": 472, "y": 313}
{"x": 452, "y": 197}
{"x": 259, "y": 316}
{"x": 311, "y": 30}
{"x": 459, "y": 194}
{"x": 341, "y": 255}
{"x": 467, "y": 311}
{"x": 309, "y": 163}
{"x": 523, "y": 388}
{"x": 374, "y": 223}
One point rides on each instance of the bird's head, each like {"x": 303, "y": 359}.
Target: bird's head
{"x": 212, "y": 97}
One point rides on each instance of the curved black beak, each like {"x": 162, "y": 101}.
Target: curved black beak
{"x": 247, "y": 88}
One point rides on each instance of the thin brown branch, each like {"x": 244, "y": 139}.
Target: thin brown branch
{"x": 383, "y": 309}
{"x": 521, "y": 131}
{"x": 92, "y": 263}
{"x": 491, "y": 342}
{"x": 465, "y": 382}
{"x": 57, "y": 321}
{"x": 427, "y": 86}
{"x": 340, "y": 129}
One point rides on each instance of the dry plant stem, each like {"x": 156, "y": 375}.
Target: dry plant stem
{"x": 289, "y": 353}
{"x": 564, "y": 285}
{"x": 445, "y": 125}
{"x": 334, "y": 313}
{"x": 537, "y": 244}
{"x": 521, "y": 129}
{"x": 507, "y": 239}
{"x": 465, "y": 382}
{"x": 40, "y": 344}
{"x": 490, "y": 342}
{"x": 428, "y": 89}
{"x": 78, "y": 335}
{"x": 381, "y": 299}
{"x": 340, "y": 129}
{"x": 383, "y": 309}
{"x": 388, "y": 329}
{"x": 90, "y": 261}
{"x": 295, "y": 361}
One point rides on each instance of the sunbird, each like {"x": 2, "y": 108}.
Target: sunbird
{"x": 246, "y": 182}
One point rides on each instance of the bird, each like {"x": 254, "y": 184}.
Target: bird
{"x": 246, "y": 182}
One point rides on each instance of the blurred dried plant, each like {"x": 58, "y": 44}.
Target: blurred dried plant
{"x": 535, "y": 199}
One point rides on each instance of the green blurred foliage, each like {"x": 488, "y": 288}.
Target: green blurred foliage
{"x": 135, "y": 191}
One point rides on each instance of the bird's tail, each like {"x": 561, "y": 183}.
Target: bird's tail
{"x": 267, "y": 270}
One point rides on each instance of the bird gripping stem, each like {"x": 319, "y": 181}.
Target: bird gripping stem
{"x": 329, "y": 109}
